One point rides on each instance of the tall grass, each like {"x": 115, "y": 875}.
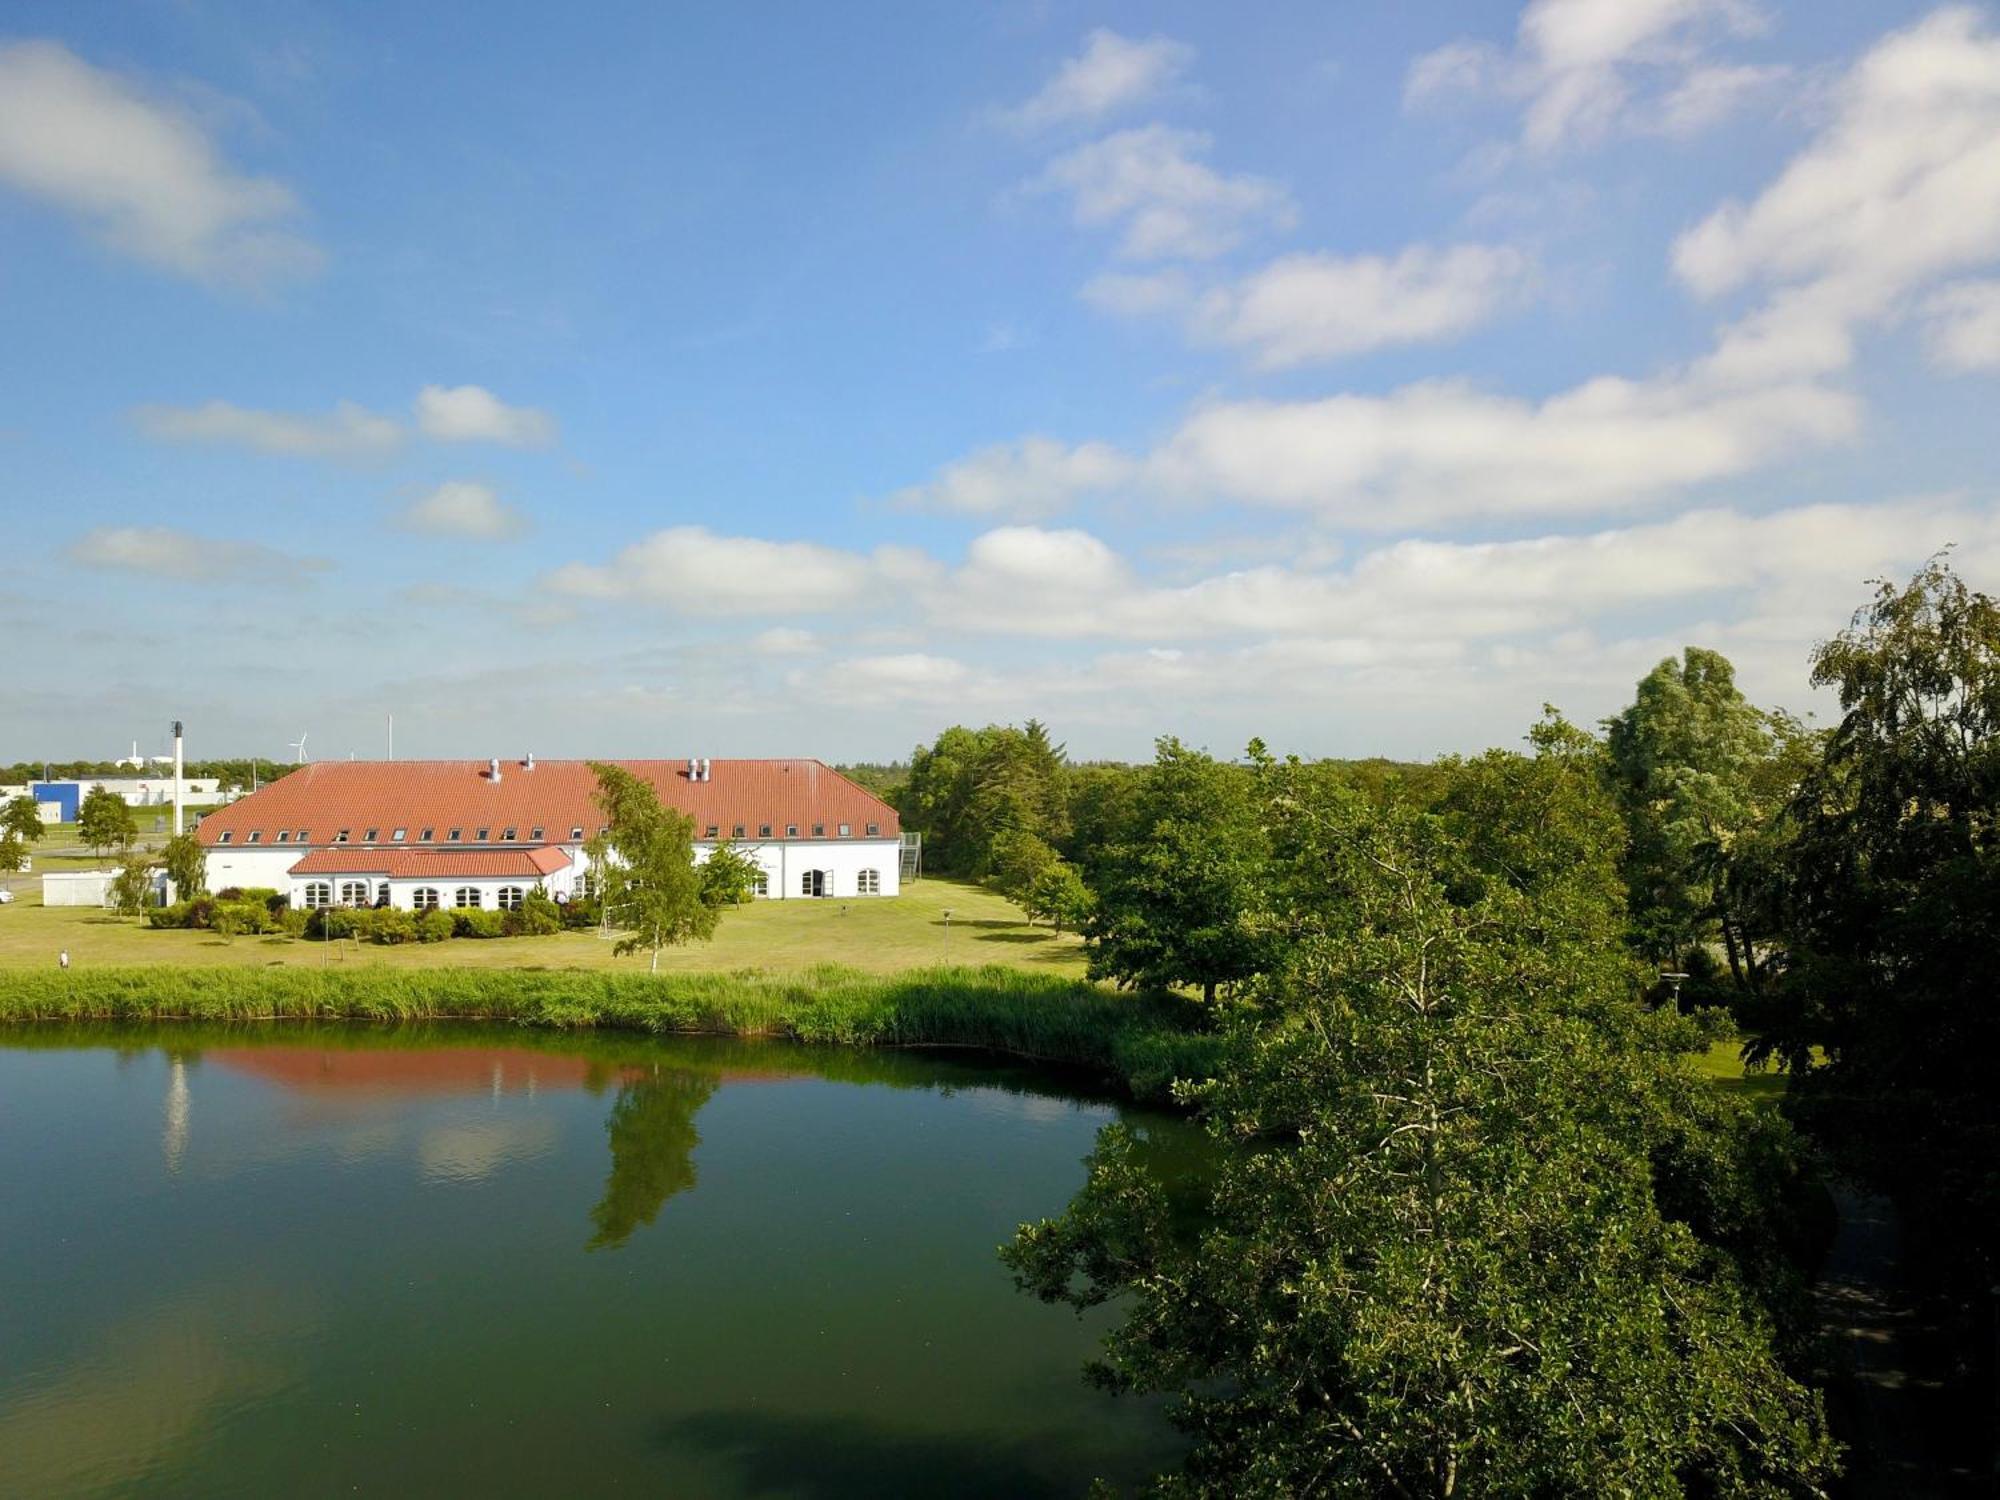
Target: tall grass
{"x": 1142, "y": 1044}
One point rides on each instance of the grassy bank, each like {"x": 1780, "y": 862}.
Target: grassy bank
{"x": 1142, "y": 1045}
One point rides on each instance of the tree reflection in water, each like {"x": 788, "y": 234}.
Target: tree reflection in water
{"x": 652, "y": 1133}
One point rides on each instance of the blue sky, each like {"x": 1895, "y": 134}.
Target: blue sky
{"x": 798, "y": 380}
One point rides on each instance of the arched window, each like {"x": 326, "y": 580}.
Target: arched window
{"x": 354, "y": 893}
{"x": 466, "y": 896}
{"x": 868, "y": 883}
{"x": 510, "y": 897}
{"x": 318, "y": 894}
{"x": 424, "y": 898}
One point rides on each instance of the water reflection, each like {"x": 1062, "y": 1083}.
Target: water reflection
{"x": 652, "y": 1133}
{"x": 145, "y": 1390}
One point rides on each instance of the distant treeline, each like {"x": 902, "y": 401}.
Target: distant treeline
{"x": 233, "y": 774}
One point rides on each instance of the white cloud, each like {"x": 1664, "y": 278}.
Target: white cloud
{"x": 1576, "y": 66}
{"x": 460, "y": 507}
{"x": 1708, "y": 96}
{"x": 1964, "y": 326}
{"x": 1071, "y": 585}
{"x": 1902, "y": 187}
{"x": 162, "y": 552}
{"x": 1314, "y": 307}
{"x": 349, "y": 431}
{"x": 691, "y": 570}
{"x": 1111, "y": 73}
{"x": 1167, "y": 203}
{"x": 1034, "y": 477}
{"x": 144, "y": 175}
{"x": 473, "y": 414}
{"x": 1140, "y": 294}
{"x": 1439, "y": 450}
{"x": 784, "y": 640}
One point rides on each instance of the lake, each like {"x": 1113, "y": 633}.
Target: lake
{"x": 317, "y": 1260}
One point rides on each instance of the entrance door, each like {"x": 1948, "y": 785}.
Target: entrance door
{"x": 818, "y": 883}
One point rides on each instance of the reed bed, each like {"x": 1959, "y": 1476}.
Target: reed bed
{"x": 1140, "y": 1043}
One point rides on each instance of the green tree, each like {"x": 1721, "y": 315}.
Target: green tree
{"x": 974, "y": 787}
{"x": 1181, "y": 902}
{"x": 1701, "y": 772}
{"x": 728, "y": 876}
{"x": 1018, "y": 862}
{"x": 1059, "y": 897}
{"x": 132, "y": 887}
{"x": 186, "y": 864}
{"x": 104, "y": 821}
{"x": 1435, "y": 1260}
{"x": 1886, "y": 1016}
{"x": 21, "y": 819}
{"x": 652, "y": 888}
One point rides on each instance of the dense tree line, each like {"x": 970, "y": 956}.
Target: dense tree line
{"x": 233, "y": 773}
{"x": 1488, "y": 1233}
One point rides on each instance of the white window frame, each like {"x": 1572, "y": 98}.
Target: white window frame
{"x": 355, "y": 892}
{"x": 317, "y": 894}
{"x": 511, "y": 897}
{"x": 424, "y": 898}
{"x": 868, "y": 883}
{"x": 468, "y": 898}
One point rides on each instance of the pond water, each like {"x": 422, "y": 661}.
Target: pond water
{"x": 442, "y": 1261}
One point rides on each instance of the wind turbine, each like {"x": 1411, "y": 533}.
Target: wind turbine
{"x": 298, "y": 748}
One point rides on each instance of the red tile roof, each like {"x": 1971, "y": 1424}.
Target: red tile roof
{"x": 556, "y": 796}
{"x": 420, "y": 864}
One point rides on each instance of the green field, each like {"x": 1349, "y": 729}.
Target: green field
{"x": 878, "y": 935}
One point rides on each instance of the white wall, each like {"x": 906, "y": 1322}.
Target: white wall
{"x": 403, "y": 892}
{"x": 785, "y": 863}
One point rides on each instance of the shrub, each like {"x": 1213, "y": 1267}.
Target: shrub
{"x": 293, "y": 921}
{"x": 472, "y": 922}
{"x": 582, "y": 911}
{"x": 391, "y": 925}
{"x": 170, "y": 916}
{"x": 539, "y": 915}
{"x": 434, "y": 927}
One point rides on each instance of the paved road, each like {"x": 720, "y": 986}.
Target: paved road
{"x": 1893, "y": 1407}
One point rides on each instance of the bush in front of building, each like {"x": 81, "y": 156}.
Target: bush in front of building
{"x": 434, "y": 926}
{"x": 539, "y": 916}
{"x": 227, "y": 914}
{"x": 389, "y": 924}
{"x": 475, "y": 922}
{"x": 581, "y": 912}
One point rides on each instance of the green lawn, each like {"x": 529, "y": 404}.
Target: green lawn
{"x": 1723, "y": 1065}
{"x": 879, "y": 935}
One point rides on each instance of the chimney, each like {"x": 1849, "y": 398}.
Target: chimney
{"x": 707, "y": 771}
{"x": 177, "y": 778}
{"x": 528, "y": 761}
{"x": 493, "y": 770}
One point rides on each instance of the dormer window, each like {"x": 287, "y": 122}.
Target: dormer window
{"x": 223, "y": 837}
{"x": 482, "y": 835}
{"x": 874, "y": 829}
{"x": 713, "y": 831}
{"x": 737, "y": 832}
{"x": 427, "y": 835}
{"x": 452, "y": 837}
{"x": 576, "y": 834}
{"x": 284, "y": 835}
{"x": 300, "y": 836}
{"x": 372, "y": 835}
{"x": 398, "y": 835}
{"x": 791, "y": 830}
{"x": 256, "y": 836}
{"x": 846, "y": 831}
{"x": 763, "y": 830}
{"x": 819, "y": 830}
{"x": 535, "y": 833}
{"x": 340, "y": 837}
{"x": 507, "y": 836}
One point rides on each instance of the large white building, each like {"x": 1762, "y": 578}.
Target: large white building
{"x": 419, "y": 834}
